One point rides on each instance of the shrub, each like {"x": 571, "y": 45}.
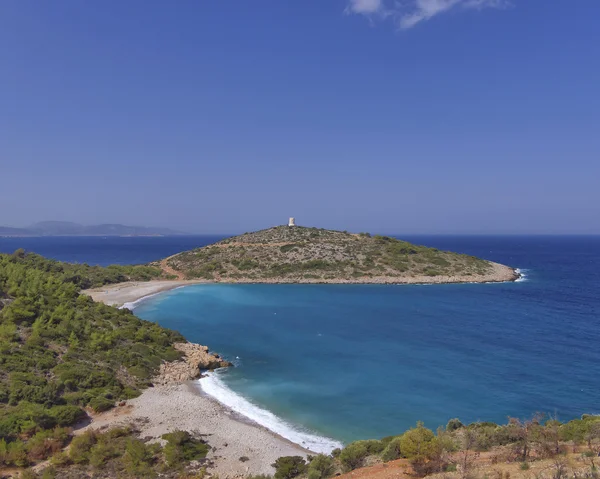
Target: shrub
{"x": 17, "y": 454}
{"x": 49, "y": 473}
{"x": 100, "y": 404}
{"x": 454, "y": 424}
{"x": 60, "y": 459}
{"x": 353, "y": 455}
{"x": 373, "y": 446}
{"x": 46, "y": 443}
{"x": 392, "y": 451}
{"x": 137, "y": 459}
{"x": 321, "y": 467}
{"x": 67, "y": 415}
{"x": 288, "y": 467}
{"x": 418, "y": 444}
{"x": 181, "y": 446}
{"x": 80, "y": 447}
{"x": 101, "y": 453}
{"x": 524, "y": 466}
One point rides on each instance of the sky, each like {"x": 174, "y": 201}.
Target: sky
{"x": 225, "y": 116}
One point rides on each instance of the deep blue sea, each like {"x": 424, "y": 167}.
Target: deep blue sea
{"x": 105, "y": 250}
{"x": 359, "y": 361}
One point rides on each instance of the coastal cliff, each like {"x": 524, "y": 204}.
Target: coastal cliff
{"x": 196, "y": 359}
{"x": 296, "y": 254}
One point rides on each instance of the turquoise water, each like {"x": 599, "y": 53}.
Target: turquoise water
{"x": 360, "y": 361}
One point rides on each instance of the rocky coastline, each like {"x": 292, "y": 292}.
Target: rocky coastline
{"x": 196, "y": 358}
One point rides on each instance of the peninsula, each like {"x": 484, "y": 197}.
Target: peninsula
{"x": 296, "y": 254}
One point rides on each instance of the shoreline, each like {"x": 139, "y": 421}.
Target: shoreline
{"x": 131, "y": 293}
{"x": 187, "y": 406}
{"x": 240, "y": 445}
{"x": 165, "y": 408}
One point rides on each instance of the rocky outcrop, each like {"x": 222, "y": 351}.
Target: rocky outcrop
{"x": 196, "y": 359}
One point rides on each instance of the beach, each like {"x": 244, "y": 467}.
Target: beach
{"x": 121, "y": 294}
{"x": 239, "y": 446}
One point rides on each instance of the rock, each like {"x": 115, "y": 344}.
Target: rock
{"x": 196, "y": 358}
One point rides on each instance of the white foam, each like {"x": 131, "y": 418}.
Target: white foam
{"x": 132, "y": 305}
{"x": 212, "y": 385}
{"x": 522, "y": 275}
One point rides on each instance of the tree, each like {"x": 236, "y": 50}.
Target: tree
{"x": 468, "y": 442}
{"x": 418, "y": 444}
{"x": 523, "y": 434}
{"x": 592, "y": 436}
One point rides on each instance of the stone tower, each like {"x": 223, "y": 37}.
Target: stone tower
{"x": 292, "y": 222}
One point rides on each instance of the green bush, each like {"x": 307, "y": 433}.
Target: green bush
{"x": 353, "y": 455}
{"x": 81, "y": 446}
{"x": 418, "y": 444}
{"x": 138, "y": 459}
{"x": 100, "y": 404}
{"x": 288, "y": 467}
{"x": 321, "y": 467}
{"x": 181, "y": 446}
{"x": 392, "y": 450}
{"x": 103, "y": 452}
{"x": 67, "y": 415}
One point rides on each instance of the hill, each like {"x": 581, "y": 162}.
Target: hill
{"x": 66, "y": 228}
{"x": 298, "y": 254}
{"x": 64, "y": 357}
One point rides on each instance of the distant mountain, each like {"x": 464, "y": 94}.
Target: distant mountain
{"x": 66, "y": 228}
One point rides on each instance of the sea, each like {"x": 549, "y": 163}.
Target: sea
{"x": 324, "y": 365}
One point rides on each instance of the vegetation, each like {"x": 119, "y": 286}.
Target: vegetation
{"x": 61, "y": 353}
{"x": 85, "y": 276}
{"x": 182, "y": 447}
{"x": 298, "y": 254}
{"x": 288, "y": 467}
{"x": 456, "y": 448}
{"x": 119, "y": 452}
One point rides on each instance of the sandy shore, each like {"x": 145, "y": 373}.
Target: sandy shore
{"x": 122, "y": 293}
{"x": 183, "y": 406}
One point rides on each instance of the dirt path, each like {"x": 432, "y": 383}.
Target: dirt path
{"x": 170, "y": 271}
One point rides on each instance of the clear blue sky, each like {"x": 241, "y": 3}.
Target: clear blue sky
{"x": 437, "y": 116}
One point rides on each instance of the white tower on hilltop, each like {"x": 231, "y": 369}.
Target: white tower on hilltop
{"x": 292, "y": 222}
